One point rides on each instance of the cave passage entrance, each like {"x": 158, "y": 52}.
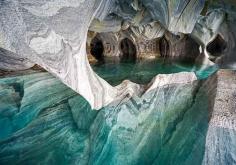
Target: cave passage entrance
{"x": 97, "y": 49}
{"x": 164, "y": 47}
{"x": 217, "y": 46}
{"x": 128, "y": 50}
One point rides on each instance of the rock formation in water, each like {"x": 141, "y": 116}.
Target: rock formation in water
{"x": 181, "y": 122}
{"x": 63, "y": 129}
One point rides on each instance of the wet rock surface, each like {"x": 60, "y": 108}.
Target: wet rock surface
{"x": 43, "y": 121}
{"x": 58, "y": 126}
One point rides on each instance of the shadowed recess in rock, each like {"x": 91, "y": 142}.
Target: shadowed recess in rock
{"x": 97, "y": 49}
{"x": 128, "y": 50}
{"x": 217, "y": 46}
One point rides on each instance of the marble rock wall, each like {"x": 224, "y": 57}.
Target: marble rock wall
{"x": 145, "y": 49}
{"x": 53, "y": 34}
{"x": 219, "y": 20}
{"x": 43, "y": 121}
{"x": 179, "y": 47}
{"x": 220, "y": 147}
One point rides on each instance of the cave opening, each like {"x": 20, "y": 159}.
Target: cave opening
{"x": 164, "y": 47}
{"x": 128, "y": 50}
{"x": 217, "y": 46}
{"x": 97, "y": 49}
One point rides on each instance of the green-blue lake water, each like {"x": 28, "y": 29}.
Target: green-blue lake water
{"x": 143, "y": 71}
{"x": 42, "y": 121}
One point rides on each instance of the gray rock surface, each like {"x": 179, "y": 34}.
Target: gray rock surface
{"x": 53, "y": 34}
{"x": 220, "y": 147}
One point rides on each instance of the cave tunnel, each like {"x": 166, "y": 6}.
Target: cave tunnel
{"x": 164, "y": 47}
{"x": 97, "y": 49}
{"x": 217, "y": 46}
{"x": 128, "y": 50}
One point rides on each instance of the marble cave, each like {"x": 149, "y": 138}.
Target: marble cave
{"x": 117, "y": 82}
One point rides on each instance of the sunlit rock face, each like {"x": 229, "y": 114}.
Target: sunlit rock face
{"x": 53, "y": 35}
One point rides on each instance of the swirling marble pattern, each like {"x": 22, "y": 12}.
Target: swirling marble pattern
{"x": 43, "y": 121}
{"x": 207, "y": 27}
{"x": 56, "y": 39}
{"x": 175, "y": 15}
{"x": 53, "y": 35}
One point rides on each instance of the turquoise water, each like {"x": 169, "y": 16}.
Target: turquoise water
{"x": 142, "y": 72}
{"x": 43, "y": 121}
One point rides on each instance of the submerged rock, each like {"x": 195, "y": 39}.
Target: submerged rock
{"x": 43, "y": 121}
{"x": 179, "y": 121}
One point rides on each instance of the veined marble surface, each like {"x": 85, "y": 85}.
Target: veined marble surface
{"x": 175, "y": 119}
{"x": 221, "y": 136}
{"x": 43, "y": 121}
{"x": 53, "y": 35}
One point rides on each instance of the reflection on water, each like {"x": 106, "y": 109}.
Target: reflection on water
{"x": 143, "y": 71}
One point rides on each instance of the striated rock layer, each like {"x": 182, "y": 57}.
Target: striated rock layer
{"x": 175, "y": 119}
{"x": 53, "y": 35}
{"x": 43, "y": 121}
{"x": 221, "y": 136}
{"x": 173, "y": 122}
